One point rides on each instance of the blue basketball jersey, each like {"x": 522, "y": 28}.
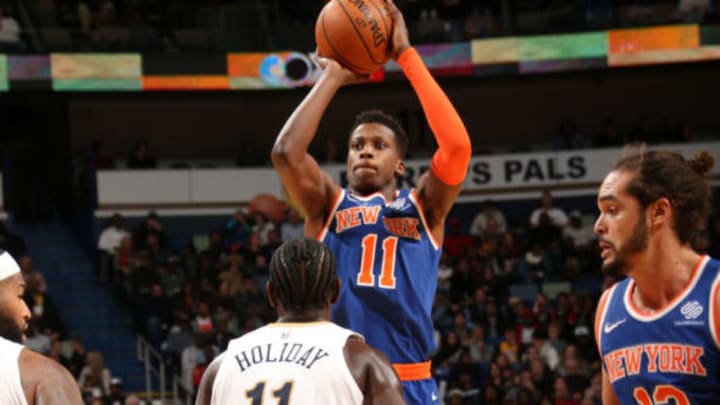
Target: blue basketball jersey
{"x": 387, "y": 262}
{"x": 668, "y": 357}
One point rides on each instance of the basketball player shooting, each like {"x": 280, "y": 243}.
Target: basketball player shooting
{"x": 26, "y": 377}
{"x": 387, "y": 241}
{"x": 658, "y": 331}
{"x": 302, "y": 358}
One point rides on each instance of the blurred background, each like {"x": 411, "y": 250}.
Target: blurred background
{"x": 138, "y": 197}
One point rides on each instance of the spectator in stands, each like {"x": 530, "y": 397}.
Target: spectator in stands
{"x": 108, "y": 243}
{"x": 101, "y": 159}
{"x": 694, "y": 10}
{"x": 462, "y": 282}
{"x": 111, "y": 237}
{"x": 132, "y": 400}
{"x": 568, "y": 136}
{"x": 456, "y": 241}
{"x": 36, "y": 340}
{"x": 576, "y": 381}
{"x": 108, "y": 34}
{"x": 509, "y": 346}
{"x": 449, "y": 351}
{"x": 203, "y": 322}
{"x": 43, "y": 308}
{"x": 9, "y": 32}
{"x": 237, "y": 230}
{"x": 76, "y": 362}
{"x": 262, "y": 227}
{"x": 556, "y": 215}
{"x": 582, "y": 235}
{"x": 545, "y": 349}
{"x": 56, "y": 354}
{"x": 150, "y": 226}
{"x": 140, "y": 158}
{"x": 553, "y": 332}
{"x": 27, "y": 268}
{"x": 157, "y": 312}
{"x": 489, "y": 214}
{"x": 231, "y": 279}
{"x": 294, "y": 227}
{"x": 193, "y": 356}
{"x": 562, "y": 393}
{"x": 95, "y": 370}
{"x": 493, "y": 322}
{"x": 116, "y": 395}
{"x": 609, "y": 137}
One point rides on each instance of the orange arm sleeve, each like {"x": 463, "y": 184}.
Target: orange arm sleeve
{"x": 451, "y": 160}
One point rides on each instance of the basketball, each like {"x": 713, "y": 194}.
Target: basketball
{"x": 268, "y": 204}
{"x": 355, "y": 33}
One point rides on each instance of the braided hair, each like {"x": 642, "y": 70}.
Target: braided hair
{"x": 303, "y": 276}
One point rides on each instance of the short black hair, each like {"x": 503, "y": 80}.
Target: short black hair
{"x": 383, "y": 118}
{"x": 303, "y": 275}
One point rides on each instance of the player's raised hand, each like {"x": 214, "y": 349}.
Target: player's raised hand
{"x": 332, "y": 68}
{"x": 400, "y": 37}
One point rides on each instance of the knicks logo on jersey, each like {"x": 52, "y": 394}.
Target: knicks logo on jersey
{"x": 655, "y": 358}
{"x": 353, "y": 217}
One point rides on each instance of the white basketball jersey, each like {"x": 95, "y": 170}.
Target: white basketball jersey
{"x": 11, "y": 392}
{"x": 287, "y": 364}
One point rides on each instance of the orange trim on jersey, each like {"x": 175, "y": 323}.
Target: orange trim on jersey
{"x": 600, "y": 316}
{"x": 691, "y": 282}
{"x": 335, "y": 205}
{"x": 421, "y": 212}
{"x": 715, "y": 311}
{"x": 413, "y": 371}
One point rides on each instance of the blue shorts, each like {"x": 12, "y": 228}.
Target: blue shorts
{"x": 421, "y": 392}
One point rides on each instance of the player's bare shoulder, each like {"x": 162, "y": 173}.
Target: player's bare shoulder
{"x": 47, "y": 382}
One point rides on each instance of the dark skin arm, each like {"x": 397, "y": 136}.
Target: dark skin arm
{"x": 305, "y": 182}
{"x": 373, "y": 373}
{"x": 204, "y": 394}
{"x": 46, "y": 382}
{"x": 313, "y": 189}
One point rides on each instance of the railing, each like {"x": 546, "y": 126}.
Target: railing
{"x": 155, "y": 367}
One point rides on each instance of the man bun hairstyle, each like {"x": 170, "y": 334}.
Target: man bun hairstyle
{"x": 665, "y": 174}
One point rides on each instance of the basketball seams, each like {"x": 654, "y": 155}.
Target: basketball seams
{"x": 337, "y": 54}
{"x": 362, "y": 38}
{"x": 384, "y": 21}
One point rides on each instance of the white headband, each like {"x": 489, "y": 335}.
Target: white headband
{"x": 8, "y": 266}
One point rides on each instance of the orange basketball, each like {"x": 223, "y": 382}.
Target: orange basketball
{"x": 356, "y": 33}
{"x": 268, "y": 204}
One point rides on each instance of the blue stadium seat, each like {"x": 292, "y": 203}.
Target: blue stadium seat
{"x": 552, "y": 289}
{"x": 525, "y": 292}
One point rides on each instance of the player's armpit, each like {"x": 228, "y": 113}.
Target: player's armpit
{"x": 46, "y": 382}
{"x": 374, "y": 374}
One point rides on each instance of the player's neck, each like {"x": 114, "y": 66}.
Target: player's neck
{"x": 313, "y": 315}
{"x": 388, "y": 192}
{"x": 661, "y": 273}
